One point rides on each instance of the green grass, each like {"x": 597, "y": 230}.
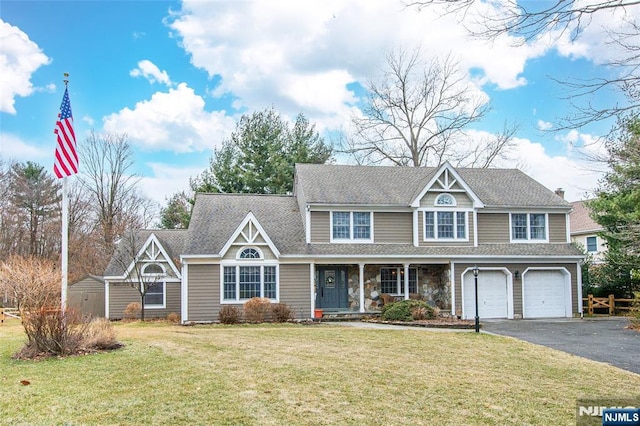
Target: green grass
{"x": 293, "y": 374}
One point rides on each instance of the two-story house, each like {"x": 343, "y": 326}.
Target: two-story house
{"x": 584, "y": 231}
{"x": 352, "y": 237}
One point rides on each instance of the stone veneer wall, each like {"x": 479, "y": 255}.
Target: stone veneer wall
{"x": 433, "y": 286}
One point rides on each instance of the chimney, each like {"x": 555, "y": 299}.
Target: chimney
{"x": 560, "y": 193}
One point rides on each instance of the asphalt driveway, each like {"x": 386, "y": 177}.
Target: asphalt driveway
{"x": 600, "y": 339}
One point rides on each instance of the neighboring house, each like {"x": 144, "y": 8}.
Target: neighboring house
{"x": 584, "y": 231}
{"x": 351, "y": 237}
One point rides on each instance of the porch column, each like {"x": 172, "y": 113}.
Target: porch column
{"x": 312, "y": 286}
{"x": 361, "y": 285}
{"x": 406, "y": 281}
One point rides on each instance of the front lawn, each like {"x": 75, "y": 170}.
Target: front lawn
{"x": 295, "y": 374}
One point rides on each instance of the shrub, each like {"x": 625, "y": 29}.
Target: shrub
{"x": 173, "y": 317}
{"x": 132, "y": 311}
{"x": 256, "y": 309}
{"x": 407, "y": 310}
{"x": 281, "y": 312}
{"x": 229, "y": 315}
{"x": 50, "y": 331}
{"x": 100, "y": 335}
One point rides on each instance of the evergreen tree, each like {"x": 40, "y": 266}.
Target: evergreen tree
{"x": 261, "y": 154}
{"x": 617, "y": 209}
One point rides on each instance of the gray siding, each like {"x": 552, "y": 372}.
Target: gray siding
{"x": 557, "y": 228}
{"x": 295, "y": 289}
{"x": 393, "y": 227}
{"x": 517, "y": 284}
{"x": 493, "y": 228}
{"x": 120, "y": 295}
{"x": 320, "y": 227}
{"x": 203, "y": 293}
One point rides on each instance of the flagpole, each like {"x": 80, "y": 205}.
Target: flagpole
{"x": 64, "y": 257}
{"x": 65, "y": 244}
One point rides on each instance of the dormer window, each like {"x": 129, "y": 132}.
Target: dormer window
{"x": 445, "y": 200}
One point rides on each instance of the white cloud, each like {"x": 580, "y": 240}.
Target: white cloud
{"x": 174, "y": 121}
{"x": 544, "y": 125}
{"x": 166, "y": 180}
{"x": 594, "y": 42}
{"x": 19, "y": 59}
{"x": 13, "y": 148}
{"x": 151, "y": 72}
{"x": 300, "y": 56}
{"x": 572, "y": 173}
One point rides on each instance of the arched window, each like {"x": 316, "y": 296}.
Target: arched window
{"x": 153, "y": 269}
{"x": 445, "y": 200}
{"x": 249, "y": 253}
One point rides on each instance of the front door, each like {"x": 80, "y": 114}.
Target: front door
{"x": 331, "y": 288}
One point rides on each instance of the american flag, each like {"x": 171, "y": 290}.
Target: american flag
{"x": 66, "y": 162}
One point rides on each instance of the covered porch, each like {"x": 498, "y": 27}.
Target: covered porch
{"x": 366, "y": 287}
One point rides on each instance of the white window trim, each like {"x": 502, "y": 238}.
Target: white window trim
{"x": 247, "y": 262}
{"x": 455, "y": 225}
{"x": 350, "y": 239}
{"x": 399, "y": 283}
{"x": 528, "y": 239}
{"x": 164, "y": 297}
{"x": 586, "y": 243}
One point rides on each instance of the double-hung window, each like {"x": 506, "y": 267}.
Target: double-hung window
{"x": 153, "y": 275}
{"x": 392, "y": 280}
{"x": 445, "y": 225}
{"x": 246, "y": 278}
{"x": 592, "y": 244}
{"x": 528, "y": 226}
{"x": 154, "y": 297}
{"x": 351, "y": 226}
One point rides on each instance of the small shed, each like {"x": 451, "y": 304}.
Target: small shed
{"x": 87, "y": 296}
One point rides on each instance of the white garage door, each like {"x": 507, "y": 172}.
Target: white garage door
{"x": 492, "y": 295}
{"x": 545, "y": 294}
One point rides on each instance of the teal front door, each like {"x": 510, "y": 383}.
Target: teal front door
{"x": 331, "y": 289}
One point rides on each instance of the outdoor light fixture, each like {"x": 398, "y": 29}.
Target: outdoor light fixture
{"x": 475, "y": 276}
{"x": 517, "y": 275}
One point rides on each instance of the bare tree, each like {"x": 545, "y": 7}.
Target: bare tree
{"x": 107, "y": 174}
{"x": 529, "y": 21}
{"x": 416, "y": 116}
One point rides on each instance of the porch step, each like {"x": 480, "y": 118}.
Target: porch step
{"x": 348, "y": 316}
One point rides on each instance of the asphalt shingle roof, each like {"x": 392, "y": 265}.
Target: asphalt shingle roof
{"x": 216, "y": 216}
{"x": 389, "y": 185}
{"x": 172, "y": 240}
{"x": 581, "y": 222}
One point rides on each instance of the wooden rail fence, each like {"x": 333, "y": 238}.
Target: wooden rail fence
{"x": 8, "y": 312}
{"x": 611, "y": 304}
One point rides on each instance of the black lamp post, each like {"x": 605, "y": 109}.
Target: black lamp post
{"x": 475, "y": 276}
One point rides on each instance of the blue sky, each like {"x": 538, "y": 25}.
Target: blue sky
{"x": 175, "y": 76}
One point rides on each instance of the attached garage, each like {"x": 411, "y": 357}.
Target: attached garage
{"x": 546, "y": 293}
{"x": 494, "y": 295}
